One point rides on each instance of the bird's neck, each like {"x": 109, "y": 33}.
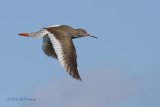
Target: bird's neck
{"x": 74, "y": 37}
{"x": 75, "y": 34}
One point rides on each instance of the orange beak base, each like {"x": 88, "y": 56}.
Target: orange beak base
{"x": 92, "y": 36}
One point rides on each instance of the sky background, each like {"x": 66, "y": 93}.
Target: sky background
{"x": 120, "y": 69}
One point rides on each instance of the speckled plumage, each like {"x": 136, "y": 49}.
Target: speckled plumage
{"x": 57, "y": 43}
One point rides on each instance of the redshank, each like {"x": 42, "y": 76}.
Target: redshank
{"x": 57, "y": 43}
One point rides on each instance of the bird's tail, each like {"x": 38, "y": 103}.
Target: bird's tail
{"x": 37, "y": 34}
{"x": 24, "y": 34}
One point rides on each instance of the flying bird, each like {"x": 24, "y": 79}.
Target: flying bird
{"x": 57, "y": 43}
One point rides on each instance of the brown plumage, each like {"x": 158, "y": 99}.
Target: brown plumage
{"x": 57, "y": 43}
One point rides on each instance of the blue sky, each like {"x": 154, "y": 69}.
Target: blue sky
{"x": 120, "y": 69}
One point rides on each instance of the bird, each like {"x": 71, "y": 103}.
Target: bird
{"x": 57, "y": 43}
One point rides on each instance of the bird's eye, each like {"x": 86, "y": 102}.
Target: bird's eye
{"x": 84, "y": 31}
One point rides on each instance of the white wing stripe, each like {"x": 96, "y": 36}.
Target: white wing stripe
{"x": 53, "y": 26}
{"x": 58, "y": 49}
{"x": 39, "y": 34}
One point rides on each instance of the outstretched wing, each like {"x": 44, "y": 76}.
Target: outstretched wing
{"x": 38, "y": 34}
{"x": 48, "y": 48}
{"x": 66, "y": 53}
{"x": 63, "y": 47}
{"x": 47, "y": 45}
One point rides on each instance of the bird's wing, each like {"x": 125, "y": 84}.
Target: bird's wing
{"x": 63, "y": 47}
{"x": 47, "y": 45}
{"x": 66, "y": 53}
{"x": 38, "y": 34}
{"x": 48, "y": 48}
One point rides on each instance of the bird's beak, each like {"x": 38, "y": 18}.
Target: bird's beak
{"x": 92, "y": 36}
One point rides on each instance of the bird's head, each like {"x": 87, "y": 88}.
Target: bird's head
{"x": 82, "y": 33}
